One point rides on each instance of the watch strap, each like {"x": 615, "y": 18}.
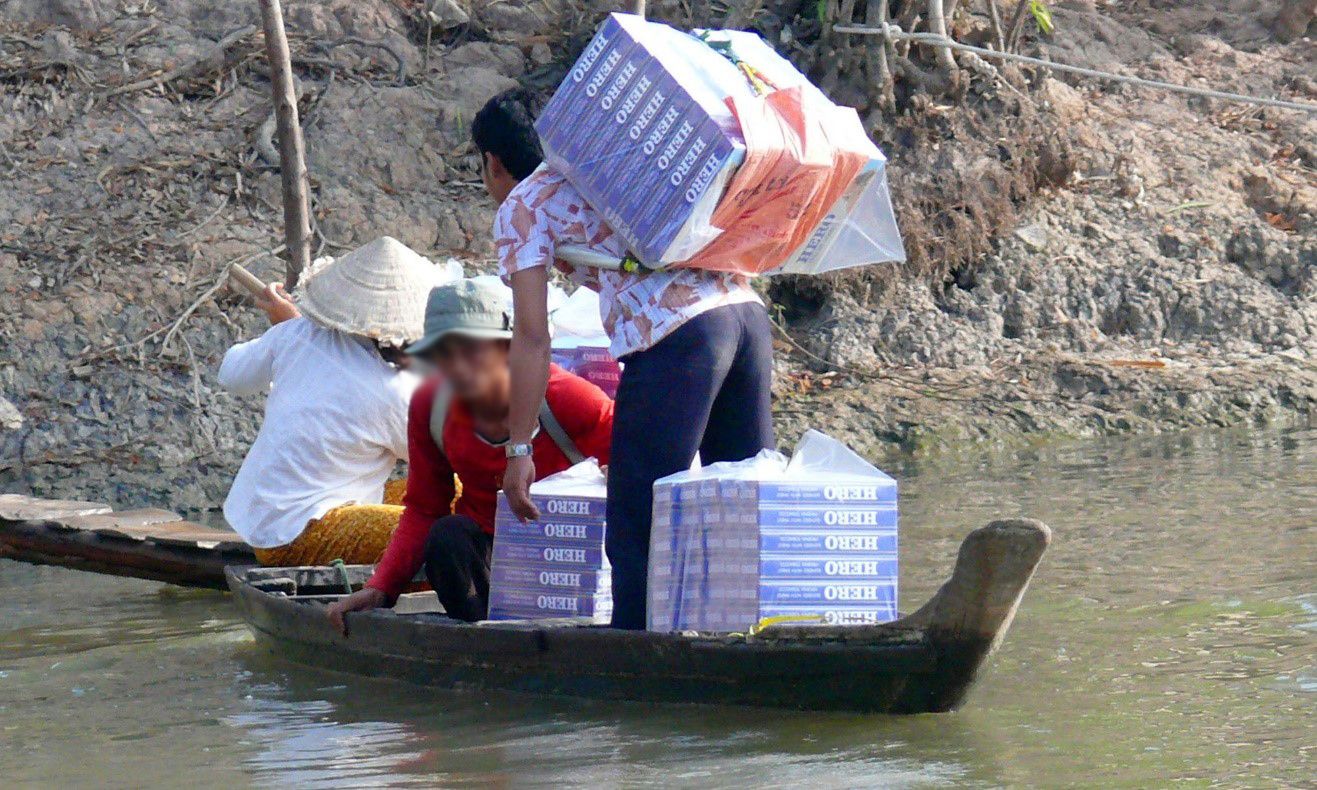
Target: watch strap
{"x": 511, "y": 450}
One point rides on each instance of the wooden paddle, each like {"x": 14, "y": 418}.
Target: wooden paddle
{"x": 249, "y": 282}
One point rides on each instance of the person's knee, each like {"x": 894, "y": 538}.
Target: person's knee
{"x": 446, "y": 536}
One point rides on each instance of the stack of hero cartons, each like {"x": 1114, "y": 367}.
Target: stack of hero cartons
{"x": 554, "y": 567}
{"x": 641, "y": 126}
{"x": 734, "y": 544}
{"x": 641, "y": 129}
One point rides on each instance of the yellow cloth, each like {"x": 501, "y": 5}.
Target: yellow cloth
{"x": 393, "y": 491}
{"x": 356, "y": 534}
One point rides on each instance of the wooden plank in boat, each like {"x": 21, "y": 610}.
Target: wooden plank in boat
{"x": 185, "y": 533}
{"x": 124, "y": 521}
{"x": 16, "y": 507}
{"x": 312, "y": 578}
{"x": 175, "y": 533}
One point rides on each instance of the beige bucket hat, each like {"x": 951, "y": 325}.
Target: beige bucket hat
{"x": 377, "y": 291}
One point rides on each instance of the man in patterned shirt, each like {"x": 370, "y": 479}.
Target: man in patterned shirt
{"x": 697, "y": 345}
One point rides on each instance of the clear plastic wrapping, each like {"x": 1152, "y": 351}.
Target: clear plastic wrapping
{"x": 813, "y": 538}
{"x": 710, "y": 150}
{"x": 554, "y": 567}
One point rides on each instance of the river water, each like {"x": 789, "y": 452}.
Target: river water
{"x": 1170, "y": 637}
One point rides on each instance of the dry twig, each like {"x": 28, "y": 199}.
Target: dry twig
{"x": 211, "y": 60}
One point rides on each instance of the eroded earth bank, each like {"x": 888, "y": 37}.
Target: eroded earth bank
{"x": 1084, "y": 257}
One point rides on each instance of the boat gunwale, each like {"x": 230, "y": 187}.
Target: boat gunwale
{"x": 925, "y": 662}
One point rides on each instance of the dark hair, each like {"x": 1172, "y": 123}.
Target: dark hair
{"x": 505, "y": 127}
{"x": 391, "y": 353}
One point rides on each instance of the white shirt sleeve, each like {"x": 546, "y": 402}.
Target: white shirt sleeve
{"x": 248, "y": 368}
{"x": 403, "y": 388}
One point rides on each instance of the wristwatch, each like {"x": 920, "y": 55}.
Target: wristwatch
{"x": 517, "y": 450}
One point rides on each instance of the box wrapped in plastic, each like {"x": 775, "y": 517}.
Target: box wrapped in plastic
{"x": 813, "y": 538}
{"x": 711, "y": 150}
{"x": 554, "y": 567}
{"x": 580, "y": 344}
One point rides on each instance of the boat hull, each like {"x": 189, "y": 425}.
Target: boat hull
{"x": 923, "y": 663}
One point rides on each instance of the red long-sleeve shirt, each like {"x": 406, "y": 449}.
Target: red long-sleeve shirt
{"x": 586, "y": 414}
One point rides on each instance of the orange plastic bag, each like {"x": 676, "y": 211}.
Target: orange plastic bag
{"x": 801, "y": 156}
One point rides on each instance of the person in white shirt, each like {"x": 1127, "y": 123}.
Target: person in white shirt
{"x": 311, "y": 486}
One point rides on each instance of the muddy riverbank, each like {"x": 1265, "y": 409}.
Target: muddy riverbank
{"x": 1084, "y": 259}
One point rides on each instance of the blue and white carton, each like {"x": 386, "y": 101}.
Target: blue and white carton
{"x": 641, "y": 126}
{"x": 556, "y": 566}
{"x": 814, "y": 537}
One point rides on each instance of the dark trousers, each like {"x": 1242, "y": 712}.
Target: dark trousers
{"x": 457, "y": 557}
{"x": 706, "y": 388}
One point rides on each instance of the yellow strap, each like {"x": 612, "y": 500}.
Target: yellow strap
{"x": 769, "y": 622}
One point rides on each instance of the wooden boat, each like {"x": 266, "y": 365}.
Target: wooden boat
{"x": 144, "y": 544}
{"x": 924, "y": 662}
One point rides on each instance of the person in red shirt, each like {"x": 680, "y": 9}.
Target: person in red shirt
{"x": 458, "y": 424}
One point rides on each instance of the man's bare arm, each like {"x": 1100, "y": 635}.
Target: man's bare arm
{"x": 529, "y": 362}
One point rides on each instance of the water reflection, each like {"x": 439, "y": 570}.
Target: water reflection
{"x": 320, "y": 729}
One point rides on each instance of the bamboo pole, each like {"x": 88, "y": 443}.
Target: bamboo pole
{"x": 292, "y": 155}
{"x": 249, "y": 282}
{"x": 994, "y": 18}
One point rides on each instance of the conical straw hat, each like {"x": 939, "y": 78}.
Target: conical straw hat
{"x": 377, "y": 291}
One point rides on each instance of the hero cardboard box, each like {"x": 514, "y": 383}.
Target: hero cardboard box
{"x": 732, "y": 544}
{"x": 553, "y": 567}
{"x": 639, "y": 126}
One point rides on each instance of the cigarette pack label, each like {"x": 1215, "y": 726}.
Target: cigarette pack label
{"x": 862, "y": 568}
{"x": 554, "y": 554}
{"x": 630, "y": 135}
{"x": 559, "y": 509}
{"x": 600, "y": 160}
{"x": 661, "y": 567}
{"x": 596, "y": 366}
{"x": 547, "y": 578}
{"x": 516, "y": 604}
{"x": 579, "y": 117}
{"x": 844, "y": 518}
{"x": 877, "y": 492}
{"x": 876, "y": 593}
{"x": 683, "y": 492}
{"x": 834, "y": 543}
{"x": 509, "y": 528}
{"x": 709, "y": 597}
{"x": 592, "y": 363}
{"x": 833, "y": 615}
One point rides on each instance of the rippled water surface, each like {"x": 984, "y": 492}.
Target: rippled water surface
{"x": 1171, "y": 635}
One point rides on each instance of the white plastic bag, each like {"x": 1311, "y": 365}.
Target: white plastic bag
{"x": 577, "y": 321}
{"x": 556, "y": 295}
{"x": 583, "y": 479}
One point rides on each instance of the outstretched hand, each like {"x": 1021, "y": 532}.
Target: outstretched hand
{"x": 516, "y": 486}
{"x": 276, "y": 304}
{"x": 359, "y": 601}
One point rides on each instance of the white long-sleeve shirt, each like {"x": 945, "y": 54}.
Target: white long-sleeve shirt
{"x": 335, "y": 425}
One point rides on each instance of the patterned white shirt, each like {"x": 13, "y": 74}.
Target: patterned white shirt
{"x": 638, "y": 309}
